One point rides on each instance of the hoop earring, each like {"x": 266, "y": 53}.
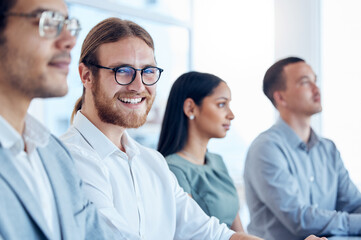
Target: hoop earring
{"x": 191, "y": 117}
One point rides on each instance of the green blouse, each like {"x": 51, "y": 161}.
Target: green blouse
{"x": 210, "y": 185}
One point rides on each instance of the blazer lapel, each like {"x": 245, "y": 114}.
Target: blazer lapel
{"x": 11, "y": 175}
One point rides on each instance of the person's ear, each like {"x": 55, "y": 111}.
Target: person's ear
{"x": 189, "y": 108}
{"x": 86, "y": 76}
{"x": 279, "y": 98}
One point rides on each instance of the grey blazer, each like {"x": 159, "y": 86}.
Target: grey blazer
{"x": 20, "y": 217}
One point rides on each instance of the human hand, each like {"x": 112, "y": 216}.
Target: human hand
{"x": 313, "y": 237}
{"x": 244, "y": 236}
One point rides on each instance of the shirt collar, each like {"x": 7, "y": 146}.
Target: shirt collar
{"x": 9, "y": 137}
{"x": 293, "y": 139}
{"x": 314, "y": 139}
{"x": 101, "y": 143}
{"x": 35, "y": 135}
{"x": 130, "y": 145}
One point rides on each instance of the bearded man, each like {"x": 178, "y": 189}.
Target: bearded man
{"x": 130, "y": 184}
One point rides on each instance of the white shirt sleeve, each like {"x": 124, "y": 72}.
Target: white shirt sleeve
{"x": 192, "y": 222}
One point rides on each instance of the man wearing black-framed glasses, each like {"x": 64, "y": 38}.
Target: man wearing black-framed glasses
{"x": 41, "y": 193}
{"x": 125, "y": 75}
{"x": 130, "y": 184}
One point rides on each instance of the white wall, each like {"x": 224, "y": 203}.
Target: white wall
{"x": 235, "y": 41}
{"x": 297, "y": 33}
{"x": 341, "y": 48}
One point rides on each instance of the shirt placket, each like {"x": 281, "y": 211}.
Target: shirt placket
{"x": 313, "y": 181}
{"x": 37, "y": 186}
{"x": 137, "y": 191}
{"x": 310, "y": 171}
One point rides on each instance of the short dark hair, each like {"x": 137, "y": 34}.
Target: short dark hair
{"x": 5, "y": 6}
{"x": 174, "y": 132}
{"x": 274, "y": 80}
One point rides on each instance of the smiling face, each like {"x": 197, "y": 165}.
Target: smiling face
{"x": 302, "y": 95}
{"x": 34, "y": 66}
{"x": 125, "y": 106}
{"x": 213, "y": 118}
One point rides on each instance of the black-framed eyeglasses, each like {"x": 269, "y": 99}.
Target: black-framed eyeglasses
{"x": 51, "y": 23}
{"x": 125, "y": 75}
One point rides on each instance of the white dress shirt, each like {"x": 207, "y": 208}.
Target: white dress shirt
{"x": 135, "y": 190}
{"x": 30, "y": 166}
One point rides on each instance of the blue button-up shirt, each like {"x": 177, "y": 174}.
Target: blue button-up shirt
{"x": 294, "y": 189}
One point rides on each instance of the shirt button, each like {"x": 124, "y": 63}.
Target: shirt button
{"x": 312, "y": 179}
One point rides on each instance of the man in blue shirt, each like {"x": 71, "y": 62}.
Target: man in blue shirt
{"x": 296, "y": 183}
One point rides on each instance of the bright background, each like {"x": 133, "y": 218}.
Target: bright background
{"x": 238, "y": 40}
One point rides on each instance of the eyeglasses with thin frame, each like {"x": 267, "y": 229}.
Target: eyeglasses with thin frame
{"x": 125, "y": 75}
{"x": 51, "y": 23}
